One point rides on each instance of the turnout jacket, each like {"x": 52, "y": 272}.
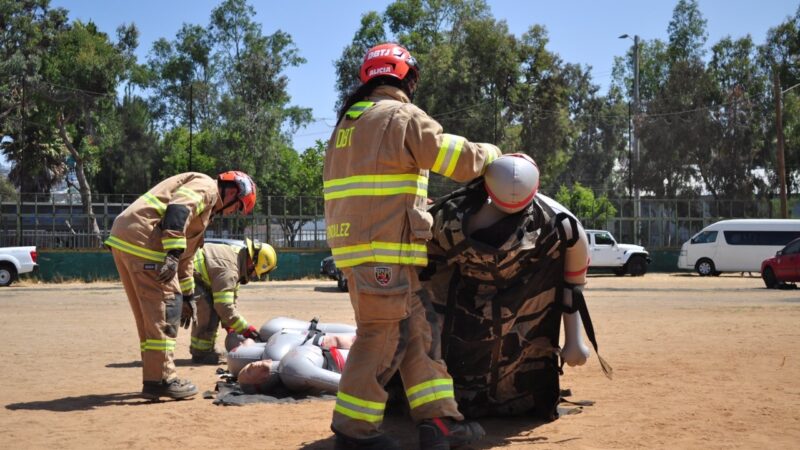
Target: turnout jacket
{"x": 173, "y": 215}
{"x": 217, "y": 268}
{"x": 376, "y": 178}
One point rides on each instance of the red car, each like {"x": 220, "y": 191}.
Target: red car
{"x": 783, "y": 267}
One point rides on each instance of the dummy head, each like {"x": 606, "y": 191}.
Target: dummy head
{"x": 511, "y": 182}
{"x": 258, "y": 377}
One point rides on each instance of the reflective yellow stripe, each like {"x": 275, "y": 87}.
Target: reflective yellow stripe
{"x": 200, "y": 266}
{"x": 223, "y": 297}
{"x": 202, "y": 344}
{"x": 173, "y": 243}
{"x": 376, "y": 185}
{"x": 357, "y": 109}
{"x": 430, "y": 391}
{"x": 187, "y": 285}
{"x": 489, "y": 158}
{"x": 158, "y": 345}
{"x": 240, "y": 325}
{"x": 135, "y": 250}
{"x": 155, "y": 203}
{"x": 356, "y": 408}
{"x": 381, "y": 252}
{"x": 198, "y": 199}
{"x": 449, "y": 152}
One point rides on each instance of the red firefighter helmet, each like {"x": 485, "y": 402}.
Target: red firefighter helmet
{"x": 245, "y": 186}
{"x": 388, "y": 60}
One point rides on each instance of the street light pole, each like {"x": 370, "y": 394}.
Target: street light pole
{"x": 780, "y": 144}
{"x": 634, "y": 136}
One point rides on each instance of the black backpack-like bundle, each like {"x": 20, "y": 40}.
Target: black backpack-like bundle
{"x": 499, "y": 298}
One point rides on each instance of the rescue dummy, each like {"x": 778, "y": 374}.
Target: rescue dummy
{"x": 153, "y": 242}
{"x": 506, "y": 264}
{"x": 219, "y": 270}
{"x": 304, "y": 359}
{"x": 375, "y": 189}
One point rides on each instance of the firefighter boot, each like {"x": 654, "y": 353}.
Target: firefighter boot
{"x": 443, "y": 434}
{"x": 175, "y": 389}
{"x": 380, "y": 442}
{"x": 209, "y": 358}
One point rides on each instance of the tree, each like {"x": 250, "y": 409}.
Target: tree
{"x": 258, "y": 120}
{"x": 27, "y": 32}
{"x": 83, "y": 68}
{"x": 295, "y": 185}
{"x": 369, "y": 34}
{"x": 581, "y": 201}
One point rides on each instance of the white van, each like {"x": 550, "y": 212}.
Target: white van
{"x": 736, "y": 245}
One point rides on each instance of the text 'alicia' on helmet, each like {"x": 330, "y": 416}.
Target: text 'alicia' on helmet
{"x": 390, "y": 60}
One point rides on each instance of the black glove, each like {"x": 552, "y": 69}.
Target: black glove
{"x": 188, "y": 311}
{"x": 169, "y": 268}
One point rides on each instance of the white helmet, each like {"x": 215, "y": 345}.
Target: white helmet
{"x": 511, "y": 181}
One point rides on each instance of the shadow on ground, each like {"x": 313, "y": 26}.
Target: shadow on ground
{"x": 82, "y": 403}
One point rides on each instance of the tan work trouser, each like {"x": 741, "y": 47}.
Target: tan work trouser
{"x": 156, "y": 310}
{"x": 204, "y": 332}
{"x": 395, "y": 332}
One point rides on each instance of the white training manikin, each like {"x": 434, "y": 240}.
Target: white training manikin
{"x": 294, "y": 354}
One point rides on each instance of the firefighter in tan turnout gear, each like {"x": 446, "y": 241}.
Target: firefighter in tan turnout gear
{"x": 153, "y": 242}
{"x": 375, "y": 189}
{"x": 219, "y": 269}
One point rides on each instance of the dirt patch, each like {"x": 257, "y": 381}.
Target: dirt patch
{"x": 698, "y": 363}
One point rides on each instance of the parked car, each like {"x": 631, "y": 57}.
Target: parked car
{"x": 327, "y": 267}
{"x": 605, "y": 252}
{"x": 784, "y": 267}
{"x": 736, "y": 245}
{"x": 15, "y": 261}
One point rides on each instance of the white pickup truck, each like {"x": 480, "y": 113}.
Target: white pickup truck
{"x": 605, "y": 252}
{"x": 15, "y": 261}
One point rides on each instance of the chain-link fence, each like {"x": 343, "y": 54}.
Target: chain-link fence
{"x": 59, "y": 220}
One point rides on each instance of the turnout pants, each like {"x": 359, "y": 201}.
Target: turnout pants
{"x": 204, "y": 333}
{"x": 397, "y": 331}
{"x": 157, "y": 311}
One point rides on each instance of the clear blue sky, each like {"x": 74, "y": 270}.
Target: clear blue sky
{"x": 581, "y": 31}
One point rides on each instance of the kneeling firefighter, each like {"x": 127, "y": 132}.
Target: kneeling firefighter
{"x": 505, "y": 264}
{"x": 219, "y": 269}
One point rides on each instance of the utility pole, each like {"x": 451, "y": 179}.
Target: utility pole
{"x": 637, "y": 207}
{"x": 191, "y": 119}
{"x": 780, "y": 144}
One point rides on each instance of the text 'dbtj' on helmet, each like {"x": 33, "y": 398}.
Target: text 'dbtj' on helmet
{"x": 388, "y": 60}
{"x": 511, "y": 181}
{"x": 263, "y": 256}
{"x": 245, "y": 185}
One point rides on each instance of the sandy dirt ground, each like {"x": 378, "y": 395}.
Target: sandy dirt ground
{"x": 698, "y": 363}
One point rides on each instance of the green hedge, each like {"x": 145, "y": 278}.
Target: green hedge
{"x": 293, "y": 264}
{"x": 59, "y": 265}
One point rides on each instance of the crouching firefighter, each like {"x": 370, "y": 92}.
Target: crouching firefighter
{"x": 219, "y": 269}
{"x": 505, "y": 264}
